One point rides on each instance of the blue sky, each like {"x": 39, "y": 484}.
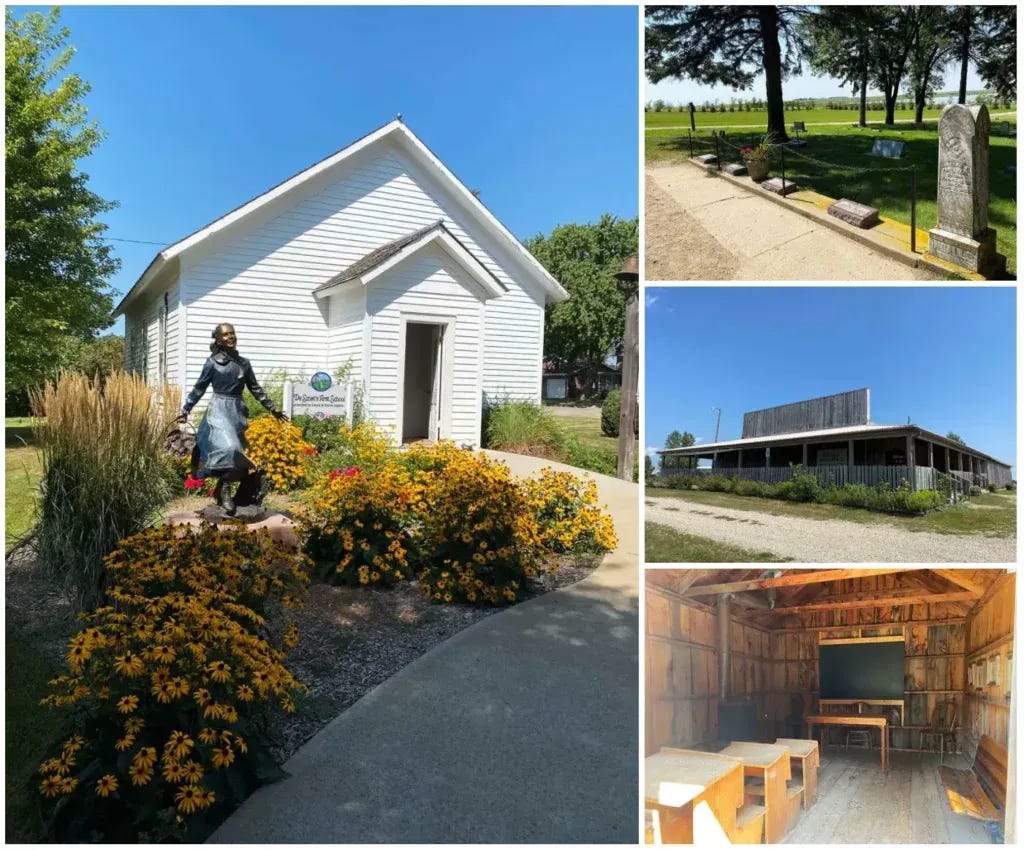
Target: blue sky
{"x": 205, "y": 107}
{"x": 944, "y": 356}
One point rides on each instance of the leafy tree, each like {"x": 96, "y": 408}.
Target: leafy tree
{"x": 648, "y": 468}
{"x": 928, "y": 55}
{"x": 966, "y": 35}
{"x": 997, "y": 49}
{"x": 56, "y": 264}
{"x": 956, "y": 438}
{"x": 894, "y": 38}
{"x": 584, "y": 258}
{"x": 101, "y": 356}
{"x": 839, "y": 41}
{"x": 727, "y": 45}
{"x": 677, "y": 440}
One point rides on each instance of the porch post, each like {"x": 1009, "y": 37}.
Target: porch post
{"x": 910, "y": 450}
{"x": 849, "y": 458}
{"x": 739, "y": 459}
{"x": 931, "y": 454}
{"x": 714, "y": 460}
{"x": 804, "y": 462}
{"x": 767, "y": 457}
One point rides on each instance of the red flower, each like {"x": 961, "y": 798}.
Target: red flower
{"x": 309, "y": 450}
{"x": 194, "y": 483}
{"x": 348, "y": 472}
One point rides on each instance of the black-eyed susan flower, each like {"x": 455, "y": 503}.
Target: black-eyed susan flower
{"x": 187, "y": 798}
{"x": 106, "y": 785}
{"x": 50, "y": 786}
{"x": 127, "y": 704}
{"x": 140, "y": 774}
{"x": 222, "y": 755}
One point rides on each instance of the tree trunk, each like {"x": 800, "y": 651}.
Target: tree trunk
{"x": 864, "y": 95}
{"x": 919, "y": 102}
{"x": 890, "y": 108}
{"x": 769, "y": 20}
{"x": 965, "y": 50}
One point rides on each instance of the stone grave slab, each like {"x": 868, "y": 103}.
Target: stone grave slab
{"x": 962, "y": 235}
{"x": 706, "y": 159}
{"x": 1004, "y": 128}
{"x": 859, "y": 215}
{"x": 799, "y": 126}
{"x": 888, "y": 148}
{"x": 736, "y": 169}
{"x": 776, "y": 186}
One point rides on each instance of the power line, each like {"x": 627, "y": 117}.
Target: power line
{"x": 135, "y": 241}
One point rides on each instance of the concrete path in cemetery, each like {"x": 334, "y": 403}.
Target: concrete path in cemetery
{"x": 520, "y": 729}
{"x": 700, "y": 227}
{"x": 826, "y": 540}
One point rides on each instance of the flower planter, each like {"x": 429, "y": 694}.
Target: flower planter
{"x": 758, "y": 169}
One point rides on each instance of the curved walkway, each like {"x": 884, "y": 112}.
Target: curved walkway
{"x": 520, "y": 729}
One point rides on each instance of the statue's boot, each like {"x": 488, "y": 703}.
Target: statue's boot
{"x": 227, "y": 501}
{"x": 251, "y": 490}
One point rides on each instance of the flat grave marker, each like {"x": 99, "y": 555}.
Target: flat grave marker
{"x": 888, "y": 148}
{"x": 776, "y": 186}
{"x": 707, "y": 159}
{"x": 859, "y": 215}
{"x": 735, "y": 169}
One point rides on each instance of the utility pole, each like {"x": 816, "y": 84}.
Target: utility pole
{"x": 717, "y": 410}
{"x": 629, "y": 278}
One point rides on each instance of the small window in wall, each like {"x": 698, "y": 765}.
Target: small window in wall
{"x": 138, "y": 350}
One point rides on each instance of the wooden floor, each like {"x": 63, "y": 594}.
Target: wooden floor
{"x": 858, "y": 804}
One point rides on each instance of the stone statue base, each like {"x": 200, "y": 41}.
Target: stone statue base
{"x": 249, "y": 514}
{"x": 975, "y": 255}
{"x": 249, "y": 518}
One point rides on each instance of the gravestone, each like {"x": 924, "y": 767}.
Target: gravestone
{"x": 735, "y": 169}
{"x": 776, "y": 186}
{"x": 962, "y": 235}
{"x": 888, "y": 148}
{"x": 1004, "y": 128}
{"x": 707, "y": 159}
{"x": 799, "y": 127}
{"x": 859, "y": 215}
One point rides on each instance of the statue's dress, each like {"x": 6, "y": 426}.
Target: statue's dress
{"x": 220, "y": 440}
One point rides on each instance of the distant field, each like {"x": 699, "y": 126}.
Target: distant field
{"x": 658, "y": 121}
{"x": 889, "y": 191}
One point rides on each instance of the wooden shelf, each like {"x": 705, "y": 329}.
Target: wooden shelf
{"x": 947, "y": 655}
{"x": 954, "y": 691}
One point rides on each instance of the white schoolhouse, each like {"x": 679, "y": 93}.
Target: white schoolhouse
{"x": 377, "y": 257}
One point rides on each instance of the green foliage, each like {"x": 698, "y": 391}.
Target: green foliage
{"x": 997, "y": 49}
{"x": 594, "y": 458}
{"x": 57, "y": 265}
{"x": 523, "y": 428}
{"x": 325, "y": 434}
{"x": 956, "y": 438}
{"x": 805, "y": 486}
{"x": 611, "y": 412}
{"x": 1011, "y": 485}
{"x": 648, "y": 468}
{"x": 104, "y": 472}
{"x": 677, "y": 440}
{"x": 101, "y": 356}
{"x": 584, "y": 259}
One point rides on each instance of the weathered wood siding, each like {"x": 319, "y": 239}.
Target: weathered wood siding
{"x": 920, "y": 478}
{"x": 682, "y": 687}
{"x": 990, "y": 652}
{"x": 425, "y": 286}
{"x": 260, "y": 276}
{"x": 833, "y": 411}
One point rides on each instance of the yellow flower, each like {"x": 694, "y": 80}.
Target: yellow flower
{"x": 223, "y": 755}
{"x": 106, "y": 785}
{"x": 173, "y": 773}
{"x": 133, "y": 725}
{"x": 146, "y": 757}
{"x": 128, "y": 704}
{"x": 140, "y": 774}
{"x": 219, "y": 671}
{"x": 245, "y": 693}
{"x": 192, "y": 771}
{"x": 125, "y": 743}
{"x": 179, "y": 745}
{"x": 129, "y": 665}
{"x": 187, "y": 799}
{"x": 207, "y": 735}
{"x": 50, "y": 786}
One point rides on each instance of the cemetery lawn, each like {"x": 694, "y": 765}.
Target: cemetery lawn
{"x": 993, "y": 514}
{"x": 848, "y": 146}
{"x": 654, "y": 121}
{"x": 665, "y": 545}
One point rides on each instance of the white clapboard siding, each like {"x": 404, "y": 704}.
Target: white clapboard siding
{"x": 427, "y": 285}
{"x": 143, "y": 339}
{"x": 346, "y": 331}
{"x": 260, "y": 275}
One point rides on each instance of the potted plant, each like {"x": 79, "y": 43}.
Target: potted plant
{"x": 757, "y": 159}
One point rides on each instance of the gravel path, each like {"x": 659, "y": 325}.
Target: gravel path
{"x": 827, "y": 541}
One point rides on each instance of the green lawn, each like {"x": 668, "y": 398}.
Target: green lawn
{"x": 703, "y": 120}
{"x": 586, "y": 428}
{"x": 992, "y": 513}
{"x": 849, "y": 146}
{"x": 21, "y": 483}
{"x": 664, "y": 545}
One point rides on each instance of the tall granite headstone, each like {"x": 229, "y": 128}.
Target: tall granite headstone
{"x": 962, "y": 235}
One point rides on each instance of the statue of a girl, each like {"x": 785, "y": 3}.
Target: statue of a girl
{"x": 220, "y": 441}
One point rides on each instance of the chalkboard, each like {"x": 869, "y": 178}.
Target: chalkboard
{"x": 861, "y": 670}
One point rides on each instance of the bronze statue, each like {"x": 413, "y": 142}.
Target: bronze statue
{"x": 220, "y": 441}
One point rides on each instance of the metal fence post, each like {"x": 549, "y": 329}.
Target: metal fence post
{"x": 783, "y": 149}
{"x": 689, "y": 136}
{"x": 913, "y": 209}
{"x": 718, "y": 156}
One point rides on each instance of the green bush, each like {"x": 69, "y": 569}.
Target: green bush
{"x": 715, "y": 483}
{"x": 524, "y": 428}
{"x": 1011, "y": 485}
{"x": 746, "y": 487}
{"x": 325, "y": 434}
{"x": 992, "y": 487}
{"x": 611, "y": 411}
{"x": 593, "y": 458}
{"x": 805, "y": 487}
{"x": 104, "y": 472}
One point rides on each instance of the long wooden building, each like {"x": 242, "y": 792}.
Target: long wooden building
{"x": 890, "y": 690}
{"x": 833, "y": 437}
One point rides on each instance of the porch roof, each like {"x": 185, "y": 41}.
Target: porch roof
{"x": 847, "y": 433}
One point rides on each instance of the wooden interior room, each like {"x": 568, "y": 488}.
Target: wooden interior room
{"x": 829, "y": 706}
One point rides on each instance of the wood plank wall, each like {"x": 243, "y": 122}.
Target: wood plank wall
{"x": 681, "y": 673}
{"x": 990, "y": 647}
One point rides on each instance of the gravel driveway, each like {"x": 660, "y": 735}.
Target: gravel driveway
{"x": 826, "y": 541}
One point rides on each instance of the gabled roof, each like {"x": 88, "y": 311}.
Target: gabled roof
{"x": 398, "y": 132}
{"x": 386, "y": 256}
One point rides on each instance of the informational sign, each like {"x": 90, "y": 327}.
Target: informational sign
{"x": 556, "y": 387}
{"x": 831, "y": 457}
{"x": 320, "y": 397}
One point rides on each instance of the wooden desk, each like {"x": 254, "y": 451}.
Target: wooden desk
{"x": 826, "y": 704}
{"x": 676, "y": 782}
{"x": 853, "y": 720}
{"x": 770, "y": 764}
{"x": 803, "y": 753}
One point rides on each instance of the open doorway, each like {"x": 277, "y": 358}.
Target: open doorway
{"x": 421, "y": 394}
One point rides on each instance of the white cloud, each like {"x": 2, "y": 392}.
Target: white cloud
{"x": 649, "y": 299}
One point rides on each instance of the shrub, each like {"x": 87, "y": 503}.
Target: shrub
{"x": 480, "y": 542}
{"x": 323, "y": 434}
{"x": 746, "y": 487}
{"x": 168, "y": 684}
{"x": 279, "y": 450}
{"x": 524, "y": 428}
{"x": 567, "y": 515}
{"x": 804, "y": 486}
{"x": 992, "y": 487}
{"x": 715, "y": 483}
{"x": 365, "y": 446}
{"x": 104, "y": 471}
{"x": 594, "y": 458}
{"x": 1011, "y": 485}
{"x": 611, "y": 410}
{"x": 356, "y": 529}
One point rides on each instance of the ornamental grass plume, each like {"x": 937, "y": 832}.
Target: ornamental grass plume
{"x": 104, "y": 471}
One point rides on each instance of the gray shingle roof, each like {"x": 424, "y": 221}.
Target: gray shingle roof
{"x": 385, "y": 252}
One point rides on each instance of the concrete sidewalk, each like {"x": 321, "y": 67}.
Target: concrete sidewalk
{"x": 750, "y": 237}
{"x": 520, "y": 729}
